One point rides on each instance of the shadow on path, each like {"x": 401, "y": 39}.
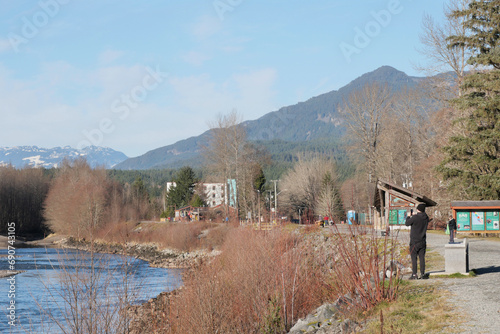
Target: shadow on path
{"x": 487, "y": 270}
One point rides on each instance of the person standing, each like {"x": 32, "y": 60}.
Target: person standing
{"x": 418, "y": 233}
{"x": 452, "y": 227}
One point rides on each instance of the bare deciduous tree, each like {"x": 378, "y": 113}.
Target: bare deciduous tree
{"x": 406, "y": 137}
{"x": 362, "y": 112}
{"x": 330, "y": 202}
{"x": 78, "y": 201}
{"x": 442, "y": 58}
{"x": 225, "y": 147}
{"x": 311, "y": 188}
{"x": 228, "y": 155}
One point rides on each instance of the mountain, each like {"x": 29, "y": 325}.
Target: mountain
{"x": 21, "y": 156}
{"x": 316, "y": 119}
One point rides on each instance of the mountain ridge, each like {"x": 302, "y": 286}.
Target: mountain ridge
{"x": 34, "y": 156}
{"x": 316, "y": 118}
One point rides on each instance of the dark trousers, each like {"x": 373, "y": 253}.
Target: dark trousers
{"x": 452, "y": 236}
{"x": 418, "y": 250}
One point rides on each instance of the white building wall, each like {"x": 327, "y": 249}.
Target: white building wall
{"x": 214, "y": 192}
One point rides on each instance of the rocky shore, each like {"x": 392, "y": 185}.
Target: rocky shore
{"x": 159, "y": 258}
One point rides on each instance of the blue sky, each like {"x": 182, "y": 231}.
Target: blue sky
{"x": 138, "y": 75}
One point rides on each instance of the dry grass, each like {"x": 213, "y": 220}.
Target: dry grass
{"x": 180, "y": 236}
{"x": 420, "y": 308}
{"x": 433, "y": 261}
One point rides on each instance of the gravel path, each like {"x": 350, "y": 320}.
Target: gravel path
{"x": 476, "y": 299}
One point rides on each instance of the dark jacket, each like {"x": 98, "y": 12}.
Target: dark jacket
{"x": 452, "y": 224}
{"x": 418, "y": 225}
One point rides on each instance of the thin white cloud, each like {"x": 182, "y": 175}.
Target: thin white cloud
{"x": 63, "y": 103}
{"x": 206, "y": 26}
{"x": 4, "y": 45}
{"x": 195, "y": 58}
{"x": 250, "y": 93}
{"x": 109, "y": 56}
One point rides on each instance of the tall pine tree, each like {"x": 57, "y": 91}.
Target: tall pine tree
{"x": 472, "y": 158}
{"x": 181, "y": 194}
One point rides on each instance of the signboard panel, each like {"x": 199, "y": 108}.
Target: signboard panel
{"x": 401, "y": 217}
{"x": 477, "y": 218}
{"x": 492, "y": 221}
{"x": 398, "y": 201}
{"x": 393, "y": 217}
{"x": 463, "y": 221}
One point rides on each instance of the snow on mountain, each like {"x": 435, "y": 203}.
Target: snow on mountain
{"x": 21, "y": 156}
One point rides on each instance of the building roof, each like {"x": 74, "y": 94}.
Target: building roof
{"x": 475, "y": 204}
{"x": 410, "y": 195}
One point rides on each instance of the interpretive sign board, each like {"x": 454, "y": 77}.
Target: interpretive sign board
{"x": 397, "y": 217}
{"x": 492, "y": 221}
{"x": 393, "y": 217}
{"x": 478, "y": 220}
{"x": 463, "y": 220}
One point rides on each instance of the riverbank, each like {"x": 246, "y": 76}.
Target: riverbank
{"x": 151, "y": 253}
{"x": 8, "y": 273}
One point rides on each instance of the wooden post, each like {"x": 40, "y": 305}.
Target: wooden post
{"x": 386, "y": 208}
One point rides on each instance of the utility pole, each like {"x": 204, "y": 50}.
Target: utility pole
{"x": 270, "y": 202}
{"x": 275, "y": 199}
{"x": 259, "y": 207}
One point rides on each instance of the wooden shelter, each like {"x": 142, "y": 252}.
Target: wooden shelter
{"x": 477, "y": 216}
{"x": 393, "y": 204}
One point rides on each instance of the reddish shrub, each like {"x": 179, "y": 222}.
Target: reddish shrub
{"x": 260, "y": 282}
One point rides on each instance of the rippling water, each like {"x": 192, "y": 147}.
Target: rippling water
{"x": 40, "y": 290}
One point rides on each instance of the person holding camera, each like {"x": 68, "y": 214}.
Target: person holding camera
{"x": 418, "y": 233}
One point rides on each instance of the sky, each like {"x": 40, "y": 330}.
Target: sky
{"x": 139, "y": 75}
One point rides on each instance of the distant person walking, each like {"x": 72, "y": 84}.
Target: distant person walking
{"x": 452, "y": 227}
{"x": 418, "y": 222}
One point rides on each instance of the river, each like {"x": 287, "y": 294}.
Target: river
{"x": 40, "y": 290}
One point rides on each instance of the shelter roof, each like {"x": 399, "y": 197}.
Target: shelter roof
{"x": 385, "y": 186}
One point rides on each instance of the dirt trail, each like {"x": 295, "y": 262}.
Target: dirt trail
{"x": 476, "y": 299}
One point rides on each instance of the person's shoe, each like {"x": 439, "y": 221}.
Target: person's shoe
{"x": 413, "y": 277}
{"x": 424, "y": 276}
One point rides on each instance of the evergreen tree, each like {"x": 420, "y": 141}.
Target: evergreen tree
{"x": 259, "y": 181}
{"x": 197, "y": 201}
{"x": 181, "y": 194}
{"x": 472, "y": 158}
{"x": 139, "y": 188}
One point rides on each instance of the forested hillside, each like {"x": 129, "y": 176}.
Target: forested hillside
{"x": 316, "y": 120}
